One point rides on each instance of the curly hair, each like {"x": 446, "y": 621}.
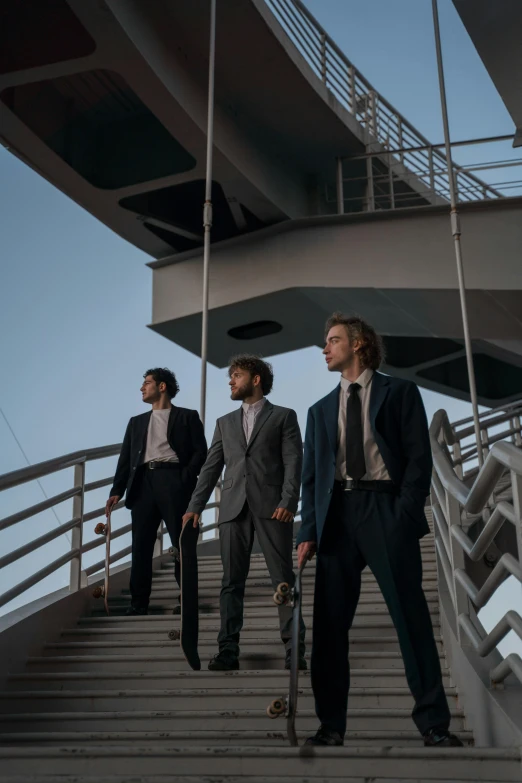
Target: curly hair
{"x": 372, "y": 350}
{"x": 164, "y": 375}
{"x": 255, "y": 366}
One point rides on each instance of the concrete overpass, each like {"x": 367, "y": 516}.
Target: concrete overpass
{"x": 107, "y": 100}
{"x": 271, "y": 292}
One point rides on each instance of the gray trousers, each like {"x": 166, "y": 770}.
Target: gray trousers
{"x": 236, "y": 540}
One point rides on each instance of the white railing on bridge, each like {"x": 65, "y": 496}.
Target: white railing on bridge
{"x": 79, "y": 573}
{"x": 463, "y": 495}
{"x": 386, "y": 128}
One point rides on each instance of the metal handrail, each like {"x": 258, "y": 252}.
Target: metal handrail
{"x": 382, "y": 122}
{"x": 79, "y": 575}
{"x": 453, "y": 501}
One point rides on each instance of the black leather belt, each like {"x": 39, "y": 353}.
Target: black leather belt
{"x": 155, "y": 464}
{"x": 348, "y": 485}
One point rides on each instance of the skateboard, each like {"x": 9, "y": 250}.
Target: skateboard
{"x": 189, "y": 595}
{"x": 281, "y": 706}
{"x": 104, "y": 529}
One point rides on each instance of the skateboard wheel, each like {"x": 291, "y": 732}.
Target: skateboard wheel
{"x": 173, "y": 635}
{"x": 276, "y": 708}
{"x": 98, "y": 592}
{"x": 100, "y": 529}
{"x": 283, "y": 589}
{"x": 279, "y": 599}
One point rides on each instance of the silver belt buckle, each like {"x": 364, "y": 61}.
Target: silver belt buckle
{"x": 151, "y": 464}
{"x": 346, "y": 488}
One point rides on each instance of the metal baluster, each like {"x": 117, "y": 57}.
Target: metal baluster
{"x": 370, "y": 196}
{"x": 432, "y": 172}
{"x": 401, "y": 142}
{"x": 353, "y": 93}
{"x": 324, "y": 73}
{"x": 340, "y": 187}
{"x": 77, "y": 578}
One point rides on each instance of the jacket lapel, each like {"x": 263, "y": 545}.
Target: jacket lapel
{"x": 174, "y": 413}
{"x": 237, "y": 419}
{"x": 379, "y": 390}
{"x": 331, "y": 416}
{"x": 145, "y": 428}
{"x": 261, "y": 418}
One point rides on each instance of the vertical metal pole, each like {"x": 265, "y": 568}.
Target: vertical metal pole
{"x": 75, "y": 578}
{"x": 390, "y": 181}
{"x": 207, "y": 211}
{"x": 324, "y": 74}
{"x": 431, "y": 169}
{"x": 340, "y": 187}
{"x": 401, "y": 142}
{"x": 370, "y": 199}
{"x": 455, "y": 229}
{"x": 353, "y": 93}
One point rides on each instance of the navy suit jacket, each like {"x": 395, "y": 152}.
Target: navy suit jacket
{"x": 400, "y": 429}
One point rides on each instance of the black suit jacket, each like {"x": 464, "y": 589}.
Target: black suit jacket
{"x": 400, "y": 429}
{"x": 186, "y": 437}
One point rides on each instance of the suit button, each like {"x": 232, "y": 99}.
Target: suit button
{"x": 329, "y": 491}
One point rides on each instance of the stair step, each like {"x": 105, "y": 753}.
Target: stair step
{"x": 272, "y": 736}
{"x": 366, "y": 719}
{"x": 142, "y": 640}
{"x": 175, "y": 659}
{"x": 270, "y": 646}
{"x": 501, "y": 765}
{"x": 275, "y": 679}
{"x": 185, "y": 699}
{"x": 122, "y": 627}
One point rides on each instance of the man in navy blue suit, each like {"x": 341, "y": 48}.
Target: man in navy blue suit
{"x": 366, "y": 474}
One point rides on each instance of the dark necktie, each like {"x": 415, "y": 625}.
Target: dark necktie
{"x": 355, "y": 464}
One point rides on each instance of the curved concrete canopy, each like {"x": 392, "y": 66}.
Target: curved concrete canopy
{"x": 397, "y": 269}
{"x": 111, "y": 108}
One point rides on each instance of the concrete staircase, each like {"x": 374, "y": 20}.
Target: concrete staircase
{"x": 113, "y": 699}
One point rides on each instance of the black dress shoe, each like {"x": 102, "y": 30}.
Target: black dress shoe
{"x": 223, "y": 662}
{"x": 136, "y": 611}
{"x": 325, "y": 737}
{"x": 302, "y": 665}
{"x": 441, "y": 738}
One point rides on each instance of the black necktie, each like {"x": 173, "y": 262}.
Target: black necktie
{"x": 355, "y": 464}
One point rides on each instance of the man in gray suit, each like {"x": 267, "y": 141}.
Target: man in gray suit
{"x": 260, "y": 445}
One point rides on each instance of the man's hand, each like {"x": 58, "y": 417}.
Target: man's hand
{"x": 283, "y": 515}
{"x": 305, "y": 551}
{"x": 110, "y": 503}
{"x": 190, "y": 515}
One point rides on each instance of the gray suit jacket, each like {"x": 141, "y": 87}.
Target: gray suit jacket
{"x": 266, "y": 472}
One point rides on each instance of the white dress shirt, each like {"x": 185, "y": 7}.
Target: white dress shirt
{"x": 375, "y": 467}
{"x": 158, "y": 447}
{"x": 250, "y": 413}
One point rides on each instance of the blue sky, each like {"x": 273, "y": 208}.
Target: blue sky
{"x": 75, "y": 298}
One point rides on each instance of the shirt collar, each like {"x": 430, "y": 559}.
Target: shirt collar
{"x": 256, "y": 407}
{"x": 363, "y": 380}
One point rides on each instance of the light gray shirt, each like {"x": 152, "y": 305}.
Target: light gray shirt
{"x": 158, "y": 447}
{"x": 375, "y": 467}
{"x": 250, "y": 413}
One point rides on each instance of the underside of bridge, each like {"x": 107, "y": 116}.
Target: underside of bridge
{"x": 108, "y": 101}
{"x": 271, "y": 292}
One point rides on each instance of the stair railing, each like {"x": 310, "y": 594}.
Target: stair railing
{"x": 79, "y": 574}
{"x": 495, "y": 497}
{"x": 381, "y": 121}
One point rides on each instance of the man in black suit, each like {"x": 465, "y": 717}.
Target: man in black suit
{"x": 366, "y": 474}
{"x": 160, "y": 459}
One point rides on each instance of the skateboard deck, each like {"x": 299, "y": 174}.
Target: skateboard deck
{"x": 189, "y": 595}
{"x": 284, "y": 595}
{"x": 104, "y": 529}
